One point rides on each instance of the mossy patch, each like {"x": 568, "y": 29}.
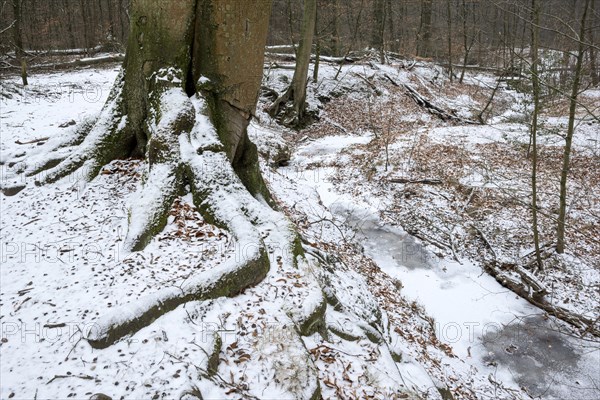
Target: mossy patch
{"x": 315, "y": 321}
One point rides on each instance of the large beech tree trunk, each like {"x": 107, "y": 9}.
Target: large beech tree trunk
{"x": 228, "y": 49}
{"x": 222, "y": 40}
{"x": 172, "y": 45}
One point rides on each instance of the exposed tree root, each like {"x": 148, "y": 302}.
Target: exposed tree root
{"x": 163, "y": 183}
{"x": 34, "y": 163}
{"x": 184, "y": 149}
{"x": 106, "y": 141}
{"x": 221, "y": 198}
{"x": 289, "y": 115}
{"x": 279, "y": 103}
{"x": 228, "y": 279}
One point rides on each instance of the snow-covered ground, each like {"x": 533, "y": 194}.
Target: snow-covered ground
{"x": 447, "y": 324}
{"x": 343, "y": 158}
{"x": 65, "y": 269}
{"x": 488, "y": 326}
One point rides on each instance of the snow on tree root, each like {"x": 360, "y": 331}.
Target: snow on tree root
{"x": 148, "y": 216}
{"x": 32, "y": 163}
{"x": 105, "y": 142}
{"x": 228, "y": 279}
{"x": 309, "y": 314}
{"x": 222, "y": 199}
{"x": 172, "y": 115}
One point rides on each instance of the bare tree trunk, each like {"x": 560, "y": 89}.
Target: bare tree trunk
{"x": 391, "y": 27}
{"x": 111, "y": 20}
{"x": 466, "y": 46}
{"x": 535, "y": 10}
{"x": 67, "y": 13}
{"x": 122, "y": 21}
{"x": 562, "y": 213}
{"x": 297, "y": 90}
{"x": 86, "y": 27}
{"x": 594, "y": 70}
{"x": 336, "y": 44}
{"x": 424, "y": 36}
{"x": 378, "y": 29}
{"x": 317, "y": 49}
{"x": 303, "y": 60}
{"x": 290, "y": 21}
{"x": 18, "y": 39}
{"x": 450, "y": 67}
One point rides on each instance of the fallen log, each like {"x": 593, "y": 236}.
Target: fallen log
{"x": 428, "y": 105}
{"x": 421, "y": 181}
{"x": 531, "y": 289}
{"x": 538, "y": 299}
{"x": 275, "y": 65}
{"x": 32, "y": 141}
{"x": 83, "y": 62}
{"x": 366, "y": 80}
{"x": 330, "y": 60}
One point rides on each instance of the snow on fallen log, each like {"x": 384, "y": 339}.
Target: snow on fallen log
{"x": 527, "y": 286}
{"x": 428, "y": 105}
{"x": 331, "y": 60}
{"x": 421, "y": 181}
{"x": 538, "y": 298}
{"x": 83, "y": 62}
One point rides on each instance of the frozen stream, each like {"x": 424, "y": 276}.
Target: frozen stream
{"x": 490, "y": 327}
{"x": 483, "y": 321}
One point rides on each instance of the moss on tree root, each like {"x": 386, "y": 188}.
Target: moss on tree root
{"x": 112, "y": 144}
{"x": 343, "y": 334}
{"x": 315, "y": 321}
{"x": 171, "y": 45}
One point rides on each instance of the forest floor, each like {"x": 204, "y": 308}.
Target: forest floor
{"x": 415, "y": 249}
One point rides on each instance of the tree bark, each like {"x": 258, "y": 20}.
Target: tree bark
{"x": 378, "y": 29}
{"x": 299, "y": 80}
{"x": 534, "y": 126}
{"x": 424, "y": 37}
{"x": 449, "y": 39}
{"x": 18, "y": 40}
{"x": 297, "y": 89}
{"x": 67, "y": 13}
{"x": 111, "y": 20}
{"x": 230, "y": 33}
{"x": 594, "y": 70}
{"x": 393, "y": 42}
{"x": 335, "y": 36}
{"x": 86, "y": 33}
{"x": 562, "y": 213}
{"x": 122, "y": 23}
